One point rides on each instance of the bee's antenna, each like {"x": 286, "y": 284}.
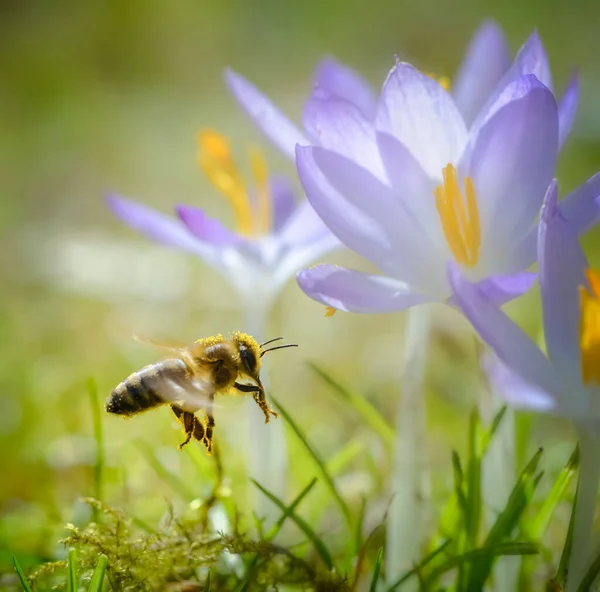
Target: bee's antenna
{"x": 262, "y": 353}
{"x": 271, "y": 341}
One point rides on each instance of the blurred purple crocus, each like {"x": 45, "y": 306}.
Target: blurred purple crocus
{"x": 273, "y": 237}
{"x": 566, "y": 381}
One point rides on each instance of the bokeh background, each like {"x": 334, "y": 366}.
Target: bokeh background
{"x": 103, "y": 96}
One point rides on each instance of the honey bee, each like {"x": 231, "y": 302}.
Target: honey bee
{"x": 189, "y": 380}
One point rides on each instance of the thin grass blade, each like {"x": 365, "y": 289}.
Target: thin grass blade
{"x": 98, "y": 576}
{"x": 320, "y": 464}
{"x": 375, "y": 579}
{"x": 24, "y": 583}
{"x": 561, "y": 572}
{"x": 92, "y": 389}
{"x": 590, "y": 576}
{"x": 318, "y": 544}
{"x": 422, "y": 564}
{"x": 361, "y": 405}
{"x": 72, "y": 581}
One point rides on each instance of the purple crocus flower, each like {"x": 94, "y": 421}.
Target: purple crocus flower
{"x": 416, "y": 189}
{"x": 566, "y": 381}
{"x": 273, "y": 238}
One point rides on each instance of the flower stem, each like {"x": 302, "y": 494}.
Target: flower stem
{"x": 267, "y": 461}
{"x": 498, "y": 480}
{"x": 587, "y": 489}
{"x": 409, "y": 482}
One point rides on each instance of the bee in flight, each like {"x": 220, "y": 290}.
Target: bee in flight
{"x": 189, "y": 380}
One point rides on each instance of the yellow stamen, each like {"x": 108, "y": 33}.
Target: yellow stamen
{"x": 460, "y": 219}
{"x": 215, "y": 160}
{"x": 261, "y": 177}
{"x": 443, "y": 81}
{"x": 589, "y": 328}
{"x": 330, "y": 311}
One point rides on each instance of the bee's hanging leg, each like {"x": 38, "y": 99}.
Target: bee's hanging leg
{"x": 188, "y": 420}
{"x": 210, "y": 424}
{"x": 259, "y": 397}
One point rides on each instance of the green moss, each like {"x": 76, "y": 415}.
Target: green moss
{"x": 183, "y": 555}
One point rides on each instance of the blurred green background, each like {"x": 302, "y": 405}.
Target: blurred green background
{"x": 108, "y": 96}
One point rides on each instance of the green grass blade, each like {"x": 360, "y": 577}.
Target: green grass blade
{"x": 338, "y": 462}
{"x": 459, "y": 491}
{"x": 98, "y": 576}
{"x": 175, "y": 482}
{"x": 375, "y": 579}
{"x": 545, "y": 513}
{"x": 473, "y": 480}
{"x": 419, "y": 567}
{"x": 486, "y": 554}
{"x": 207, "y": 583}
{"x": 318, "y": 544}
{"x": 320, "y": 464}
{"x": 24, "y": 583}
{"x": 590, "y": 576}
{"x": 72, "y": 581}
{"x": 99, "y": 439}
{"x": 488, "y": 435}
{"x": 289, "y": 510}
{"x": 361, "y": 405}
{"x": 506, "y": 521}
{"x": 561, "y": 571}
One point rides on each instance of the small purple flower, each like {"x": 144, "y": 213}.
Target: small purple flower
{"x": 274, "y": 237}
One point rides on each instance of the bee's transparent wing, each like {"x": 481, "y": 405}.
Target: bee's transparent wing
{"x": 171, "y": 347}
{"x": 190, "y": 393}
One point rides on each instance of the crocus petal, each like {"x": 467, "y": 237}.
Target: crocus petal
{"x": 354, "y": 291}
{"x": 283, "y": 201}
{"x": 303, "y": 225}
{"x": 486, "y": 61}
{"x": 270, "y": 120}
{"x": 567, "y": 108}
{"x": 368, "y": 218}
{"x": 511, "y": 160}
{"x": 561, "y": 267}
{"x": 341, "y": 127}
{"x": 412, "y": 185}
{"x": 423, "y": 116}
{"x": 500, "y": 289}
{"x": 514, "y": 390}
{"x": 580, "y": 210}
{"x": 156, "y": 226}
{"x": 209, "y": 230}
{"x": 506, "y": 338}
{"x": 338, "y": 80}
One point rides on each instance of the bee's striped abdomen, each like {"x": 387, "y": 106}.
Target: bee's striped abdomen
{"x": 142, "y": 390}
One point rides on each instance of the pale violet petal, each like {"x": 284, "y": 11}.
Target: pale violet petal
{"x": 511, "y": 161}
{"x": 157, "y": 226}
{"x": 283, "y": 201}
{"x": 580, "y": 209}
{"x": 515, "y": 391}
{"x": 561, "y": 272}
{"x": 269, "y": 119}
{"x": 416, "y": 110}
{"x": 567, "y": 108}
{"x": 412, "y": 185}
{"x": 341, "y": 81}
{"x": 340, "y": 126}
{"x": 486, "y": 61}
{"x": 207, "y": 229}
{"x": 304, "y": 225}
{"x": 507, "y": 339}
{"x": 500, "y": 289}
{"x": 377, "y": 220}
{"x": 354, "y": 291}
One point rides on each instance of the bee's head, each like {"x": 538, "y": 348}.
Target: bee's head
{"x": 249, "y": 354}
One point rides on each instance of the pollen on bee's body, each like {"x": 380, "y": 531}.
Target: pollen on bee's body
{"x": 459, "y": 217}
{"x": 216, "y": 161}
{"x": 589, "y": 328}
